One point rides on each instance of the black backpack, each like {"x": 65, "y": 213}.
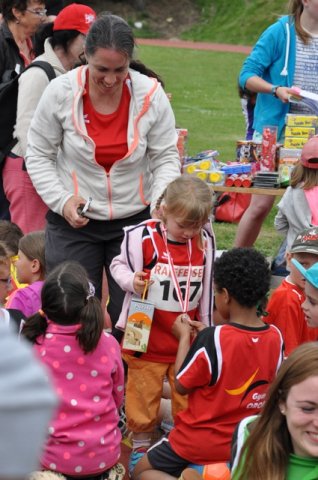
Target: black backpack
{"x": 8, "y": 106}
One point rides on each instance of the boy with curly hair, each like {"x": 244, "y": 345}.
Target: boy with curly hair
{"x": 226, "y": 370}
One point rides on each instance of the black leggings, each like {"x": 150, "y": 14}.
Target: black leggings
{"x": 94, "y": 246}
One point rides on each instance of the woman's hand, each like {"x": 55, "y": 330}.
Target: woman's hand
{"x": 70, "y": 212}
{"x": 284, "y": 93}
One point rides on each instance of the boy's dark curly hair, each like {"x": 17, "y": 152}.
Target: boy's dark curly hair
{"x": 245, "y": 273}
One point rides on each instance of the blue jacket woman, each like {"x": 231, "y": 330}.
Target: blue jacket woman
{"x": 273, "y": 58}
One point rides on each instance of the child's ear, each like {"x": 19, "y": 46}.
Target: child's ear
{"x": 226, "y": 296}
{"x": 288, "y": 256}
{"x": 35, "y": 266}
{"x": 161, "y": 212}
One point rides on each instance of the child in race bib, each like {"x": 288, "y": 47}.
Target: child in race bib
{"x": 175, "y": 256}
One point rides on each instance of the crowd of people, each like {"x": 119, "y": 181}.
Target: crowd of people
{"x": 93, "y": 196}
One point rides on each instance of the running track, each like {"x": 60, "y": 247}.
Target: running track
{"x": 175, "y": 43}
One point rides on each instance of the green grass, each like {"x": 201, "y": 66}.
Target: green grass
{"x": 237, "y": 22}
{"x": 204, "y": 95}
{"x": 268, "y": 241}
{"x": 205, "y": 101}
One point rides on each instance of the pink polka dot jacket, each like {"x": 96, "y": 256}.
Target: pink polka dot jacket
{"x": 83, "y": 435}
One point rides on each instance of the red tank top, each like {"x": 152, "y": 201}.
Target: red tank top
{"x": 109, "y": 132}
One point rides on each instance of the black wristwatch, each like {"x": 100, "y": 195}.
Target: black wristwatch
{"x": 274, "y": 90}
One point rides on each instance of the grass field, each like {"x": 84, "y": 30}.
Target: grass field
{"x": 205, "y": 101}
{"x": 204, "y": 95}
{"x": 239, "y": 22}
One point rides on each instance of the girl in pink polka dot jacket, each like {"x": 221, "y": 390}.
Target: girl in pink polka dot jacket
{"x": 87, "y": 372}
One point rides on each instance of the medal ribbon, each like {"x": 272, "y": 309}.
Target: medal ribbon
{"x": 183, "y": 303}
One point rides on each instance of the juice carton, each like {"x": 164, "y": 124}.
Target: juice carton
{"x": 138, "y": 325}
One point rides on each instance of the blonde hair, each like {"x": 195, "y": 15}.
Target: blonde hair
{"x": 296, "y": 8}
{"x": 45, "y": 475}
{"x": 189, "y": 198}
{"x": 265, "y": 454}
{"x": 304, "y": 177}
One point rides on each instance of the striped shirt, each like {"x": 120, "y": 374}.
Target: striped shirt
{"x": 306, "y": 71}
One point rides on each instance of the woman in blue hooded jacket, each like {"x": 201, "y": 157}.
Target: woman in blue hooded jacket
{"x": 286, "y": 54}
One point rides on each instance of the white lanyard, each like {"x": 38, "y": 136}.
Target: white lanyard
{"x": 184, "y": 303}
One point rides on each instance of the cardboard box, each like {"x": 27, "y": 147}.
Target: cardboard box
{"x": 295, "y": 142}
{"x": 290, "y": 153}
{"x": 138, "y": 325}
{"x": 294, "y": 120}
{"x": 300, "y": 131}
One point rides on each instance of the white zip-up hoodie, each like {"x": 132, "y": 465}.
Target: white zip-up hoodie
{"x": 60, "y": 156}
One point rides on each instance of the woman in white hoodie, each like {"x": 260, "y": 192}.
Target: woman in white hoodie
{"x": 104, "y": 131}
{"x": 63, "y": 45}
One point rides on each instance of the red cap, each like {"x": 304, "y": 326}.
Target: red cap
{"x": 309, "y": 153}
{"x": 75, "y": 17}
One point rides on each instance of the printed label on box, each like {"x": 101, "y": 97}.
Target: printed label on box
{"x": 294, "y": 120}
{"x": 138, "y": 325}
{"x": 300, "y": 131}
{"x": 295, "y": 142}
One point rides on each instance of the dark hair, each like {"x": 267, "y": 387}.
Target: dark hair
{"x": 6, "y": 7}
{"x": 246, "y": 93}
{"x": 59, "y": 38}
{"x": 110, "y": 31}
{"x": 245, "y": 274}
{"x": 10, "y": 234}
{"x": 67, "y": 299}
{"x": 141, "y": 68}
{"x": 33, "y": 246}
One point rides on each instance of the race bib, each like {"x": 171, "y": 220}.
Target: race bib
{"x": 162, "y": 292}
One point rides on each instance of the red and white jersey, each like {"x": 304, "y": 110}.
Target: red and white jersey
{"x": 229, "y": 368}
{"x": 163, "y": 346}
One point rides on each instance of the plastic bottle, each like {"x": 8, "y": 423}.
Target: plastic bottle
{"x": 229, "y": 182}
{"x": 238, "y": 181}
{"x": 213, "y": 471}
{"x": 246, "y": 181}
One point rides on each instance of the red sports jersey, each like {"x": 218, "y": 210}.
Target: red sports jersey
{"x": 284, "y": 311}
{"x": 229, "y": 368}
{"x": 163, "y": 345}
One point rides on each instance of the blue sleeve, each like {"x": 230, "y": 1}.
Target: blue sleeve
{"x": 267, "y": 50}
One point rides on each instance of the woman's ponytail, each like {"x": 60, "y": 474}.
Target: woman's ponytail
{"x": 142, "y": 68}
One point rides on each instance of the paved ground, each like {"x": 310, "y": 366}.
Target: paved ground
{"x": 175, "y": 43}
